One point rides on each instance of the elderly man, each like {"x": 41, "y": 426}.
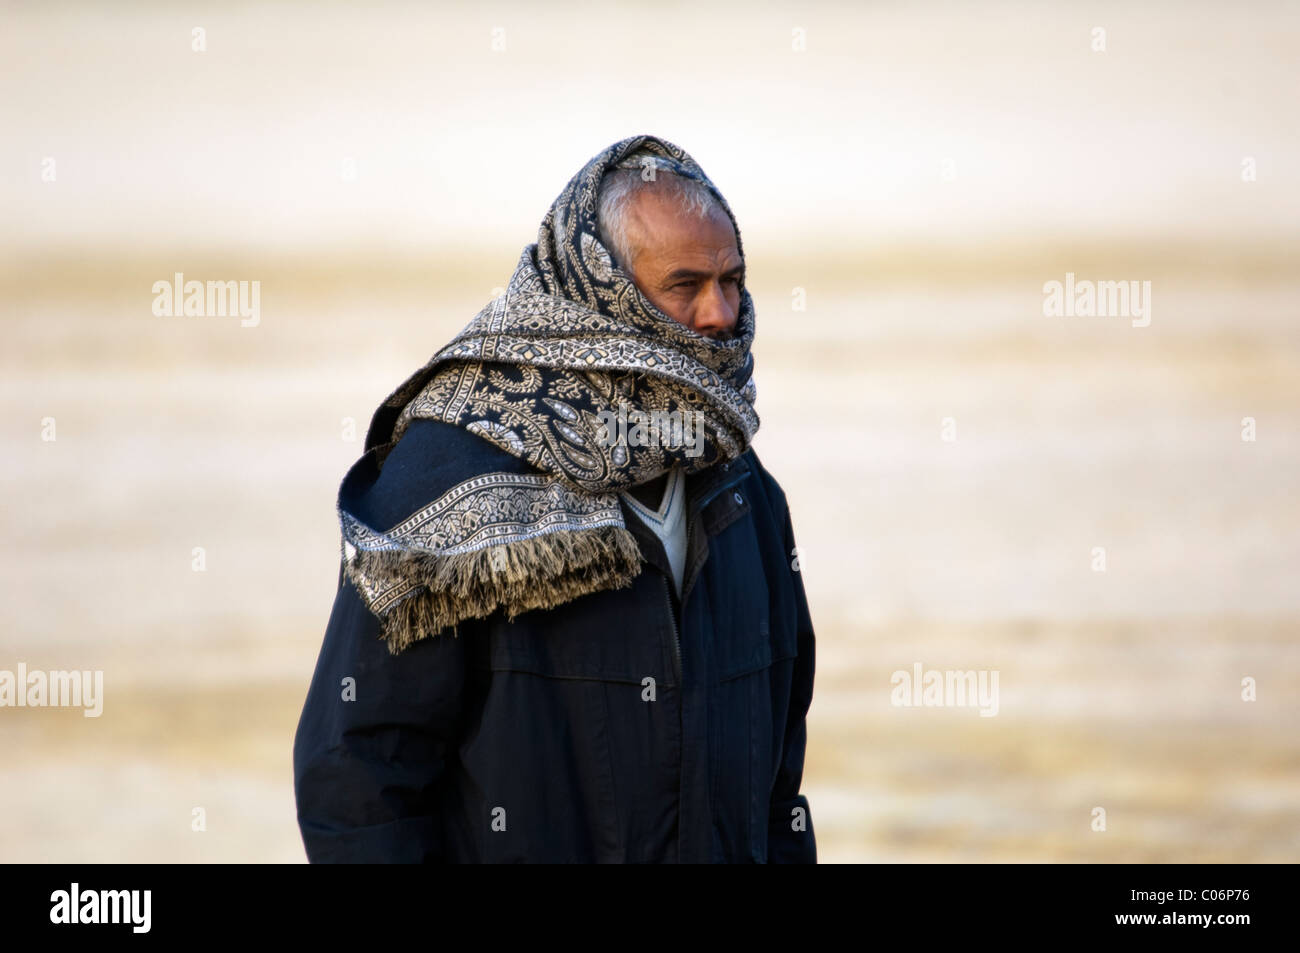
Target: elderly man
{"x": 570, "y": 625}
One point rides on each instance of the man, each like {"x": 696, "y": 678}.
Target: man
{"x": 570, "y": 625}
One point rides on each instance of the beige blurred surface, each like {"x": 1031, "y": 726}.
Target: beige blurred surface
{"x": 924, "y": 298}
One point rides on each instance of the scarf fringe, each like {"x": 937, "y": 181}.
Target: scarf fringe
{"x": 538, "y": 573}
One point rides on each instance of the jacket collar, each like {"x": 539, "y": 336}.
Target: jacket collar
{"x": 701, "y": 489}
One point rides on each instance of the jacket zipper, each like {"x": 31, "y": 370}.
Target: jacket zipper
{"x": 677, "y": 657}
{"x": 690, "y": 521}
{"x": 677, "y": 643}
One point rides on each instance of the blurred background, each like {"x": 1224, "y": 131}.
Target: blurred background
{"x": 907, "y": 178}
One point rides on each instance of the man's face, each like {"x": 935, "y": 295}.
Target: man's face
{"x": 688, "y": 267}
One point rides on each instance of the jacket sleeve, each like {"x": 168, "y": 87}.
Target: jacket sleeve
{"x": 372, "y": 741}
{"x": 790, "y": 838}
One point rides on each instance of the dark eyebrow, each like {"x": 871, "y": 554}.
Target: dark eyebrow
{"x": 678, "y": 274}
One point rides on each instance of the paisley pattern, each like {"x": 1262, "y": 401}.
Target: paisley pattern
{"x": 532, "y": 372}
{"x": 487, "y": 511}
{"x": 573, "y": 326}
{"x": 570, "y": 337}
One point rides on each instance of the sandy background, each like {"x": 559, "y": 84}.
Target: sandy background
{"x": 924, "y": 301}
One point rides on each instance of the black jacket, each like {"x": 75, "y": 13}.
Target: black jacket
{"x": 623, "y": 726}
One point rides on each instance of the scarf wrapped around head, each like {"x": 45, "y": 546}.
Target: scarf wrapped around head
{"x": 541, "y": 373}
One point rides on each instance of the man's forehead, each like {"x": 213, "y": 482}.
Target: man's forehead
{"x": 657, "y": 224}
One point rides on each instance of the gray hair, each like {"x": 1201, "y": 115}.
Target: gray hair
{"x": 617, "y": 189}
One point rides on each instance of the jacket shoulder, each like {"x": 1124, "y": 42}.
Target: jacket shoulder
{"x": 430, "y": 458}
{"x": 768, "y": 486}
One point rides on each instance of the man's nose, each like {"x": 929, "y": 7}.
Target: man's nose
{"x": 714, "y": 316}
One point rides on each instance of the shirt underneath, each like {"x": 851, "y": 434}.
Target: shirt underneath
{"x": 668, "y": 520}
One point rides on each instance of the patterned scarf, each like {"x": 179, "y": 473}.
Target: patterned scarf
{"x": 541, "y": 373}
